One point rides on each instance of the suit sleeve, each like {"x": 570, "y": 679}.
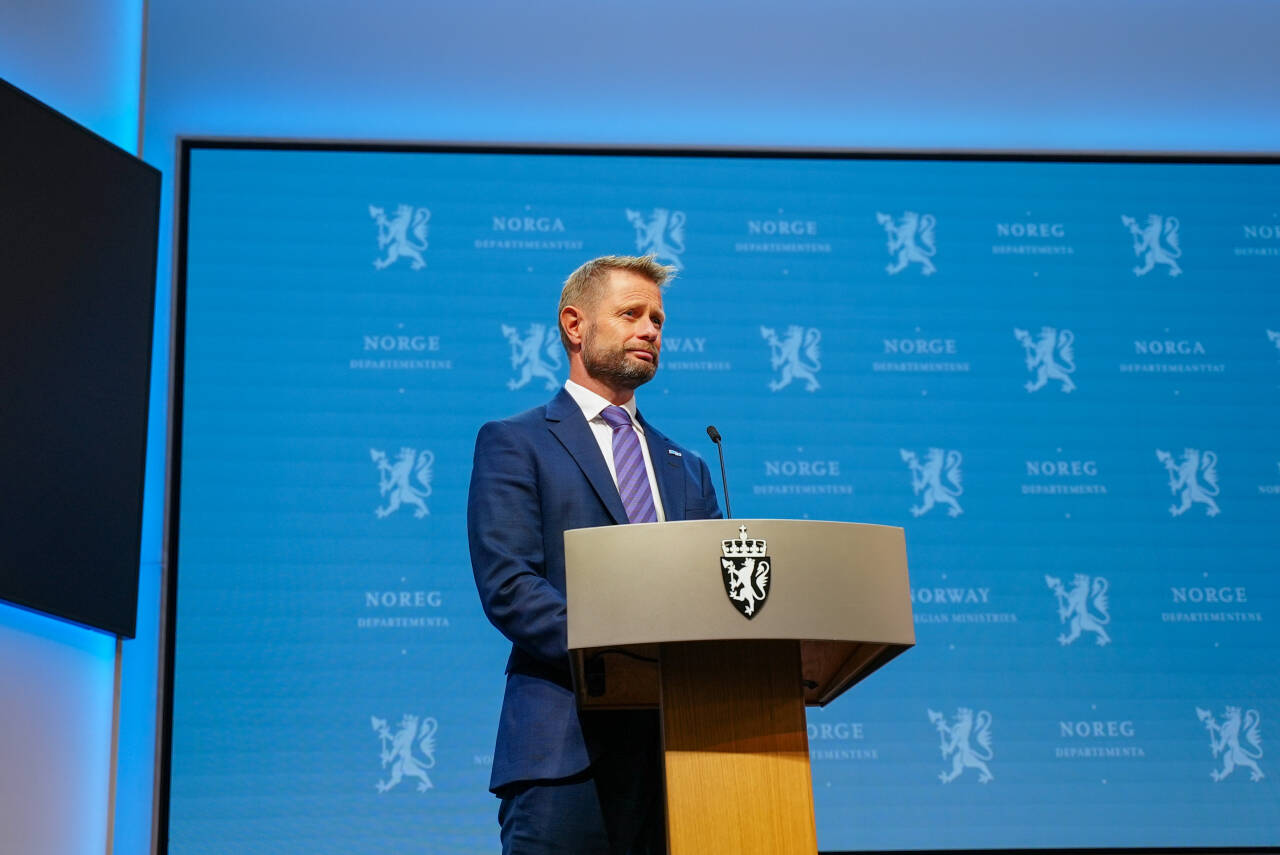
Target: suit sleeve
{"x": 504, "y": 528}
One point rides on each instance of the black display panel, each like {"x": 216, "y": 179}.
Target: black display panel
{"x": 78, "y": 229}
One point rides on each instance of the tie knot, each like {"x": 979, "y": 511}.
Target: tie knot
{"x": 615, "y": 416}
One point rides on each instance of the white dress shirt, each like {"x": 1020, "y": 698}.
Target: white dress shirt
{"x": 592, "y": 405}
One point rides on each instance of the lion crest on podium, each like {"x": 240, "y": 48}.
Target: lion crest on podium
{"x": 744, "y": 566}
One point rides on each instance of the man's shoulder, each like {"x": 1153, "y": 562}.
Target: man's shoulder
{"x": 520, "y": 428}
{"x": 532, "y": 419}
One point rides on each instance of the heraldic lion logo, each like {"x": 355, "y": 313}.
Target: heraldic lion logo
{"x": 795, "y": 357}
{"x": 911, "y": 240}
{"x": 927, "y": 480}
{"x": 535, "y": 353}
{"x": 1224, "y": 741}
{"x": 1050, "y": 356}
{"x": 1155, "y": 243}
{"x": 402, "y": 236}
{"x": 958, "y": 743}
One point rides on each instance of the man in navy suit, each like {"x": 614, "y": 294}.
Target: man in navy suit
{"x": 575, "y": 782}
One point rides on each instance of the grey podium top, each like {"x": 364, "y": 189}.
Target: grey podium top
{"x": 665, "y": 582}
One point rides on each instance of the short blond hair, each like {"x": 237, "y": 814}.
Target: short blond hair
{"x": 585, "y": 286}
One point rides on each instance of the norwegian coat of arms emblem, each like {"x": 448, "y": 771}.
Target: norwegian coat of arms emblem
{"x": 662, "y": 234}
{"x": 745, "y": 570}
{"x": 903, "y": 244}
{"x": 1195, "y": 478}
{"x": 1224, "y": 741}
{"x": 1084, "y": 607}
{"x": 397, "y": 750}
{"x": 1049, "y": 356}
{"x": 404, "y": 235}
{"x": 1155, "y": 243}
{"x": 958, "y": 740}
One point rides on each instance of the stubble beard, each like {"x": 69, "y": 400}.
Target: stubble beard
{"x": 614, "y": 366}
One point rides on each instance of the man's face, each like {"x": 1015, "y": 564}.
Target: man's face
{"x": 621, "y": 341}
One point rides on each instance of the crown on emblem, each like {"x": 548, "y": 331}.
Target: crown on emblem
{"x": 743, "y": 546}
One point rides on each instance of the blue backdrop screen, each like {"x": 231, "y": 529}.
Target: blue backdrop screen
{"x": 1062, "y": 378}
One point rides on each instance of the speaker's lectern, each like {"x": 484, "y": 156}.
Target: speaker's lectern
{"x": 731, "y": 627}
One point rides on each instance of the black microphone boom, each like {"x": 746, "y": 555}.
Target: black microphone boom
{"x": 715, "y": 437}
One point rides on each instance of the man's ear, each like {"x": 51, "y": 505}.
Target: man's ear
{"x": 572, "y": 321}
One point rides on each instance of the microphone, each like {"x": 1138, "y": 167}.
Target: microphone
{"x": 715, "y": 437}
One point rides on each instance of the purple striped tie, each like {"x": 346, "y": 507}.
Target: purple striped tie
{"x": 628, "y": 463}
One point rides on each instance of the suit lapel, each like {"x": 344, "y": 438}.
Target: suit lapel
{"x": 566, "y": 423}
{"x": 668, "y": 467}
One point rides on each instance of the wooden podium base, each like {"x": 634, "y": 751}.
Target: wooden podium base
{"x": 736, "y": 749}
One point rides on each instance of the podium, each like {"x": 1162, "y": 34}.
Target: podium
{"x": 732, "y": 627}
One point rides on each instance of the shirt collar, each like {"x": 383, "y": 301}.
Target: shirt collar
{"x": 593, "y": 404}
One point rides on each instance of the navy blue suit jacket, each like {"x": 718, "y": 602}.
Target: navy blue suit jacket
{"x": 534, "y": 476}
